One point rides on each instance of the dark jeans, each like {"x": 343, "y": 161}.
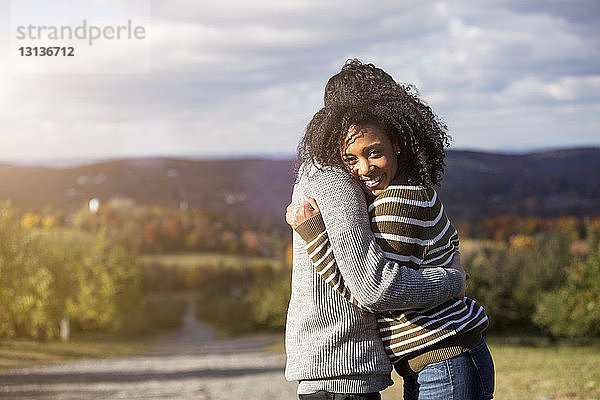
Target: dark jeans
{"x": 323, "y": 395}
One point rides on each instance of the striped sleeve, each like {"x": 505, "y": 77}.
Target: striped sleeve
{"x": 319, "y": 249}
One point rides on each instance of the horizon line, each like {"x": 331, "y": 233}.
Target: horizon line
{"x": 87, "y": 160}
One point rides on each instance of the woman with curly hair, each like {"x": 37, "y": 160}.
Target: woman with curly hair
{"x": 394, "y": 146}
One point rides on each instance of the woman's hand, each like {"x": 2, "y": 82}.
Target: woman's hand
{"x": 308, "y": 209}
{"x": 457, "y": 265}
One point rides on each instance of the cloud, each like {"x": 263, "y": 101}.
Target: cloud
{"x": 233, "y": 77}
{"x": 568, "y": 89}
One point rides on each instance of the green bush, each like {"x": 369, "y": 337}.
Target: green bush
{"x": 250, "y": 300}
{"x": 573, "y": 310}
{"x": 25, "y": 282}
{"x": 269, "y": 298}
{"x": 489, "y": 283}
{"x": 510, "y": 280}
{"x": 51, "y": 274}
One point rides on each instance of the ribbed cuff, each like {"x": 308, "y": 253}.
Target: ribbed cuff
{"x": 347, "y": 384}
{"x": 311, "y": 228}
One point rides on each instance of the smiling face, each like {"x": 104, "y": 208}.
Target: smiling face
{"x": 370, "y": 157}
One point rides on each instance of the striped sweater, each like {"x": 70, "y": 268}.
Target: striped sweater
{"x": 410, "y": 225}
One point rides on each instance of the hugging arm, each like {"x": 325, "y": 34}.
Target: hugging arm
{"x": 376, "y": 283}
{"x": 321, "y": 255}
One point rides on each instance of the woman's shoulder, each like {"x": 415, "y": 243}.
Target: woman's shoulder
{"x": 403, "y": 199}
{"x": 402, "y": 191}
{"x": 314, "y": 176}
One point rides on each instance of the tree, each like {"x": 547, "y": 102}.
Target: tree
{"x": 109, "y": 295}
{"x": 48, "y": 276}
{"x": 24, "y": 280}
{"x": 573, "y": 310}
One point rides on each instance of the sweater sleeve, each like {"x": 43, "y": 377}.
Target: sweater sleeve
{"x": 313, "y": 232}
{"x": 376, "y": 283}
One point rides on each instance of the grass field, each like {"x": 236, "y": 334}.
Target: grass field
{"x": 20, "y": 353}
{"x": 189, "y": 260}
{"x": 539, "y": 371}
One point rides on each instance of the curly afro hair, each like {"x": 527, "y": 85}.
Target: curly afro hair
{"x": 362, "y": 94}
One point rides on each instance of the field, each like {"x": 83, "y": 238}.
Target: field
{"x": 21, "y": 353}
{"x": 190, "y": 260}
{"x": 539, "y": 371}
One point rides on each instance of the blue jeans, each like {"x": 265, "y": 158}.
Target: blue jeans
{"x": 468, "y": 376}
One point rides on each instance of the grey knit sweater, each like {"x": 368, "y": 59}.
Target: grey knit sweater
{"x": 331, "y": 344}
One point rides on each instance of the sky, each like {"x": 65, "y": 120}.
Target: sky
{"x": 243, "y": 78}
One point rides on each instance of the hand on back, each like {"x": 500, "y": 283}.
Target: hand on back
{"x": 458, "y": 266}
{"x": 308, "y": 209}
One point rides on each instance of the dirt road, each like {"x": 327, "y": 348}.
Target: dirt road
{"x": 191, "y": 364}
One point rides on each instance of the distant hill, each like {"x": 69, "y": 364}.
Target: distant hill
{"x": 476, "y": 185}
{"x": 549, "y": 184}
{"x": 260, "y": 188}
